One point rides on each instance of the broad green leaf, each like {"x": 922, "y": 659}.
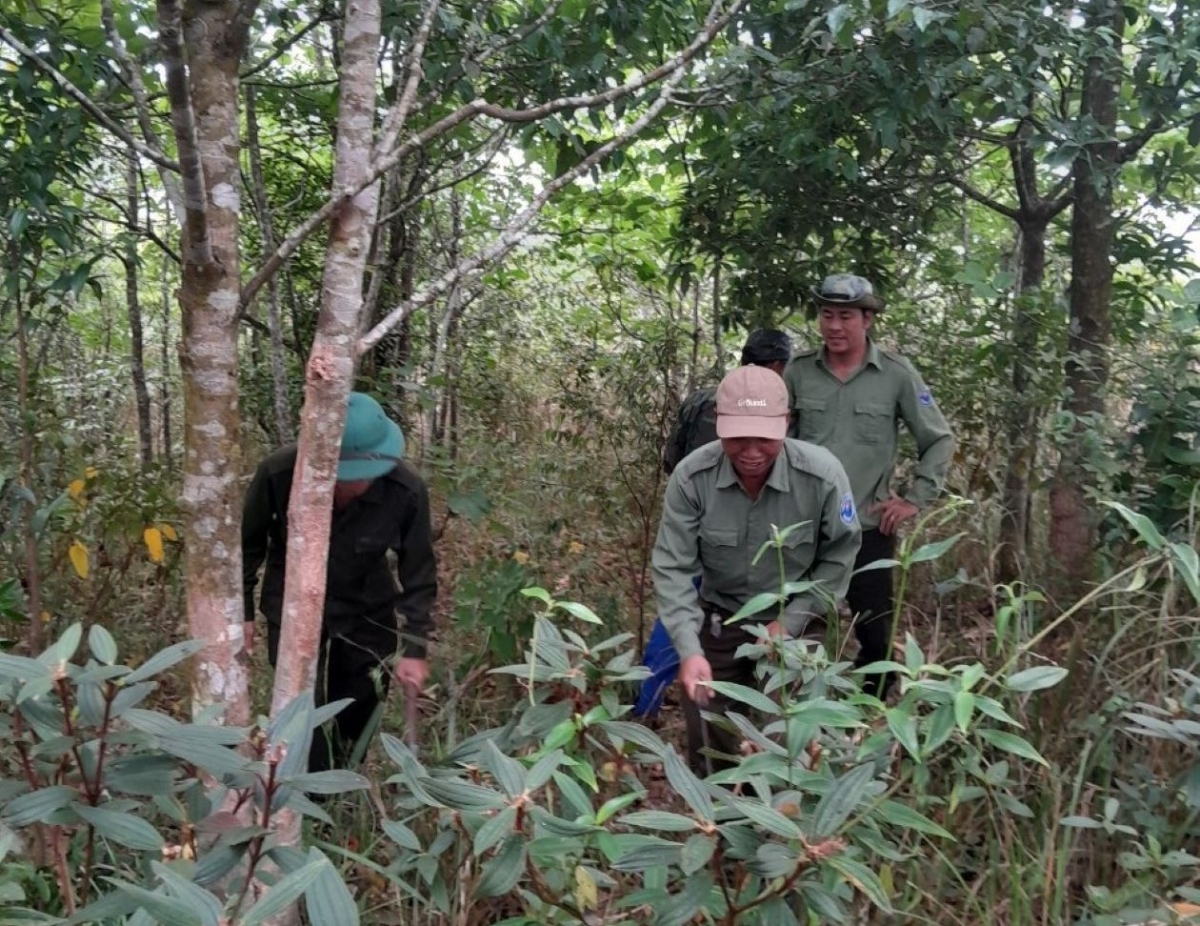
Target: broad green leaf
{"x": 102, "y": 645}
{"x": 37, "y": 806}
{"x": 401, "y": 835}
{"x": 501, "y": 873}
{"x": 217, "y": 862}
{"x": 123, "y": 828}
{"x": 1141, "y": 524}
{"x": 696, "y": 852}
{"x": 539, "y": 593}
{"x": 1188, "y": 563}
{"x": 767, "y": 817}
{"x": 964, "y": 709}
{"x": 579, "y": 611}
{"x": 652, "y": 853}
{"x": 687, "y": 785}
{"x": 494, "y": 830}
{"x": 164, "y": 909}
{"x": 659, "y": 820}
{"x": 21, "y": 668}
{"x": 508, "y": 772}
{"x": 755, "y": 605}
{"x": 634, "y": 733}
{"x": 747, "y": 695}
{"x": 1035, "y": 678}
{"x": 163, "y": 660}
{"x": 840, "y": 800}
{"x": 542, "y": 770}
{"x": 862, "y": 878}
{"x": 902, "y": 815}
{"x": 285, "y": 892}
{"x": 1012, "y": 743}
{"x": 202, "y": 902}
{"x": 904, "y": 727}
{"x": 327, "y": 898}
{"x": 936, "y": 550}
{"x": 64, "y": 648}
{"x": 333, "y": 781}
{"x": 463, "y": 795}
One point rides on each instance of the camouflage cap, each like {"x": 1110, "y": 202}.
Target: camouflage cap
{"x": 849, "y": 290}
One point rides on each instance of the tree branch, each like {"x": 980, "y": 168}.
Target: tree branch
{"x": 983, "y": 199}
{"x": 85, "y": 102}
{"x": 714, "y": 23}
{"x": 394, "y": 121}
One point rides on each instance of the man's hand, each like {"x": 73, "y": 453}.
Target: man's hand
{"x": 894, "y": 512}
{"x": 412, "y": 673}
{"x": 693, "y": 673}
{"x": 248, "y": 637}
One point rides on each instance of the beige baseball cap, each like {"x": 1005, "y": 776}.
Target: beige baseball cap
{"x": 752, "y": 402}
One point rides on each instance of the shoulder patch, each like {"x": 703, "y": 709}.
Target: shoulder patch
{"x": 846, "y": 512}
{"x": 925, "y": 397}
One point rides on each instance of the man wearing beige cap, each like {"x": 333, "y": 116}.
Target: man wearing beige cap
{"x": 720, "y": 506}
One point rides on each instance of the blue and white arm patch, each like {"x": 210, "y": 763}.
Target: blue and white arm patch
{"x": 925, "y": 397}
{"x": 846, "y": 512}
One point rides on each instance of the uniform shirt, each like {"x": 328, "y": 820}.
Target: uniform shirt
{"x": 858, "y": 421}
{"x": 711, "y": 526}
{"x": 361, "y": 593}
{"x": 695, "y": 427}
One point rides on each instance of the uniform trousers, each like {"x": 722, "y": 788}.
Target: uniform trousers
{"x": 873, "y": 604}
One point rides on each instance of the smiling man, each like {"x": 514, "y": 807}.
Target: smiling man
{"x": 849, "y": 396}
{"x": 721, "y": 503}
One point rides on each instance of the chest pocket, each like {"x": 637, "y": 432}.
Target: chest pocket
{"x": 874, "y": 423}
{"x": 811, "y": 414}
{"x": 719, "y": 548}
{"x": 799, "y": 549}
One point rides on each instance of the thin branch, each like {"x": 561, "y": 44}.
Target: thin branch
{"x": 713, "y": 25}
{"x": 394, "y": 121}
{"x": 85, "y": 102}
{"x": 283, "y": 46}
{"x": 984, "y": 200}
{"x": 517, "y": 230}
{"x": 197, "y": 248}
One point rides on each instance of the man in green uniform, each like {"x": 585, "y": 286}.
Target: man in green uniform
{"x": 849, "y": 396}
{"x": 721, "y": 503}
{"x": 697, "y": 422}
{"x": 380, "y": 512}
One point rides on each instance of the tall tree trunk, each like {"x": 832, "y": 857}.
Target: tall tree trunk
{"x": 164, "y": 388}
{"x": 278, "y": 358}
{"x": 137, "y": 354}
{"x": 1072, "y": 531}
{"x": 330, "y": 372}
{"x": 1022, "y": 412}
{"x": 203, "y": 93}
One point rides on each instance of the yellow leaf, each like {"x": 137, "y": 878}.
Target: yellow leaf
{"x": 154, "y": 543}
{"x": 91, "y": 472}
{"x": 79, "y": 559}
{"x": 45, "y": 616}
{"x": 75, "y": 489}
{"x": 1186, "y": 910}
{"x": 169, "y": 532}
{"x": 521, "y": 557}
{"x": 575, "y": 548}
{"x": 586, "y": 895}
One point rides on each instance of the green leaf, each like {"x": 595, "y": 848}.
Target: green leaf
{"x": 634, "y": 733}
{"x": 123, "y": 828}
{"x": 755, "y": 605}
{"x": 902, "y": 815}
{"x": 579, "y": 611}
{"x": 508, "y": 772}
{"x": 1035, "y": 678}
{"x": 463, "y": 795}
{"x": 102, "y": 645}
{"x": 37, "y": 806}
{"x": 904, "y": 727}
{"x": 334, "y": 781}
{"x": 650, "y": 853}
{"x": 327, "y": 898}
{"x": 200, "y": 901}
{"x": 1141, "y": 524}
{"x": 285, "y": 892}
{"x": 21, "y": 668}
{"x": 687, "y": 785}
{"x": 217, "y": 862}
{"x": 936, "y": 550}
{"x": 543, "y": 770}
{"x": 964, "y": 709}
{"x": 494, "y": 830}
{"x": 839, "y": 801}
{"x": 747, "y": 695}
{"x": 63, "y": 649}
{"x": 1011, "y": 743}
{"x": 401, "y": 835}
{"x": 539, "y": 593}
{"x": 166, "y": 910}
{"x": 862, "y": 878}
{"x": 501, "y": 873}
{"x": 766, "y": 817}
{"x": 659, "y": 820}
{"x": 163, "y": 660}
{"x": 696, "y": 852}
{"x": 1188, "y": 564}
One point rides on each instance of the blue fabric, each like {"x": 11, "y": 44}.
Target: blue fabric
{"x": 663, "y": 662}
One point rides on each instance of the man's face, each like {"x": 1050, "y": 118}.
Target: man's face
{"x": 844, "y": 328}
{"x": 346, "y": 492}
{"x": 752, "y": 457}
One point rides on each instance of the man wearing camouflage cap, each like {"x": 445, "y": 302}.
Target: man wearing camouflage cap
{"x": 697, "y": 422}
{"x": 720, "y": 506}
{"x": 849, "y": 396}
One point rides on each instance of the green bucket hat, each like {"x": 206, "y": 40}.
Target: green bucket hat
{"x": 848, "y": 290}
{"x": 372, "y": 444}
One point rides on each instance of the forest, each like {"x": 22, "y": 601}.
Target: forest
{"x": 530, "y": 229}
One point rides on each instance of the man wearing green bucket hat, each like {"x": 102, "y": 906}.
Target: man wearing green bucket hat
{"x": 380, "y": 510}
